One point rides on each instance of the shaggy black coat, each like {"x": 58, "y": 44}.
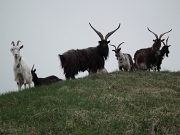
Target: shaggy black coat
{"x": 92, "y": 58}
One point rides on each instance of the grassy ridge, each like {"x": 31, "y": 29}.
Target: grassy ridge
{"x": 115, "y": 103}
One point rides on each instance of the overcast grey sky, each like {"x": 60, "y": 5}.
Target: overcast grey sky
{"x": 51, "y": 27}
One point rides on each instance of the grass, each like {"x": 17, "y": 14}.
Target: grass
{"x": 128, "y": 103}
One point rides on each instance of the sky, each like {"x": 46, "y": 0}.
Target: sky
{"x": 47, "y": 28}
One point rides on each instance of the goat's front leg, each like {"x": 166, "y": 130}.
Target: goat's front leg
{"x": 19, "y": 86}
{"x": 120, "y": 68}
{"x": 29, "y": 85}
{"x": 24, "y": 83}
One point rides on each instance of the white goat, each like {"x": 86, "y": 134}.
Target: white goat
{"x": 22, "y": 72}
{"x": 124, "y": 59}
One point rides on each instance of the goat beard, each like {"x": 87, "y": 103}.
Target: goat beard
{"x": 18, "y": 65}
{"x": 103, "y": 52}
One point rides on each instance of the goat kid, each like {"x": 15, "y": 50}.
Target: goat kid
{"x": 147, "y": 57}
{"x": 43, "y": 81}
{"x": 92, "y": 58}
{"x": 22, "y": 73}
{"x": 125, "y": 61}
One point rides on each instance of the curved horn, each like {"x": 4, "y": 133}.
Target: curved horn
{"x": 32, "y": 67}
{"x": 163, "y": 34}
{"x": 153, "y": 33}
{"x": 164, "y": 43}
{"x": 12, "y": 43}
{"x": 99, "y": 33}
{"x": 113, "y": 45}
{"x": 110, "y": 33}
{"x": 167, "y": 40}
{"x": 18, "y": 42}
{"x": 119, "y": 45}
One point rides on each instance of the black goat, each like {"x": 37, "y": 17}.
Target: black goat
{"x": 147, "y": 57}
{"x": 43, "y": 81}
{"x": 164, "y": 50}
{"x": 92, "y": 58}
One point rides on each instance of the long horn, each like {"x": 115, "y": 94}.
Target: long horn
{"x": 13, "y": 43}
{"x": 164, "y": 43}
{"x": 18, "y": 42}
{"x": 153, "y": 33}
{"x": 167, "y": 40}
{"x": 113, "y": 45}
{"x": 163, "y": 34}
{"x": 99, "y": 33}
{"x": 32, "y": 67}
{"x": 119, "y": 45}
{"x": 110, "y": 33}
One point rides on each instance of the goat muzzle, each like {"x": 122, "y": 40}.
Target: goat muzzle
{"x": 16, "y": 56}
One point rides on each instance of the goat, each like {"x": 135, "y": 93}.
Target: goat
{"x": 99, "y": 71}
{"x": 125, "y": 61}
{"x": 147, "y": 57}
{"x": 43, "y": 81}
{"x": 92, "y": 58}
{"x": 22, "y": 73}
{"x": 164, "y": 50}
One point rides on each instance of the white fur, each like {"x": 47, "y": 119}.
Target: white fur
{"x": 102, "y": 71}
{"x": 22, "y": 73}
{"x": 123, "y": 61}
{"x": 99, "y": 71}
{"x": 141, "y": 66}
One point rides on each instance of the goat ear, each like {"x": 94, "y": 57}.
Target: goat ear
{"x": 113, "y": 50}
{"x": 169, "y": 45}
{"x": 34, "y": 70}
{"x": 21, "y": 47}
{"x": 108, "y": 41}
{"x": 162, "y": 40}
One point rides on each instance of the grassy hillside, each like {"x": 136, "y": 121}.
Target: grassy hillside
{"x": 131, "y": 103}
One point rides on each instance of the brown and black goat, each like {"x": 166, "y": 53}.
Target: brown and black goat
{"x": 43, "y": 81}
{"x": 125, "y": 61}
{"x": 147, "y": 57}
{"x": 164, "y": 51}
{"x": 92, "y": 58}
